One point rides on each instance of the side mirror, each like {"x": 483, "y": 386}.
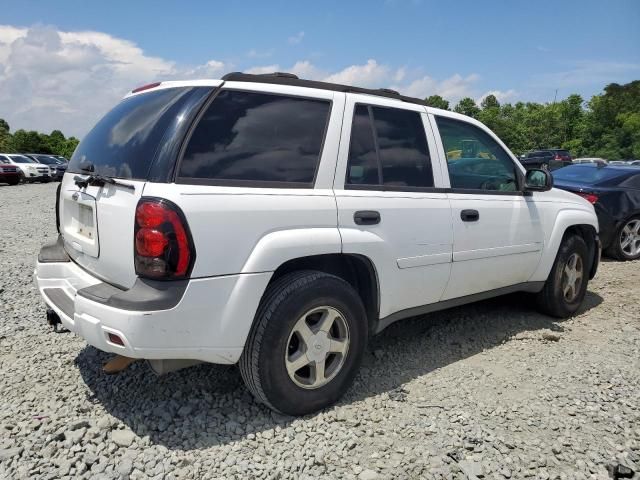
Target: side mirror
{"x": 538, "y": 181}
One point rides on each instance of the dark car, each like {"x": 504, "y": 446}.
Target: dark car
{"x": 614, "y": 192}
{"x": 58, "y": 167}
{"x": 548, "y": 159}
{"x": 8, "y": 173}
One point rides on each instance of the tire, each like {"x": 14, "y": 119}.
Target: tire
{"x": 275, "y": 340}
{"x": 628, "y": 231}
{"x": 14, "y": 181}
{"x": 554, "y": 299}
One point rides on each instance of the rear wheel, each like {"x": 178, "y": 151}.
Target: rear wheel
{"x": 306, "y": 344}
{"x": 566, "y": 285}
{"x": 13, "y": 181}
{"x": 626, "y": 242}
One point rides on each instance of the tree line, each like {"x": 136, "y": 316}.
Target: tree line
{"x": 607, "y": 126}
{"x": 23, "y": 141}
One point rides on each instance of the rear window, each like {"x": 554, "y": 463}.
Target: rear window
{"x": 22, "y": 159}
{"x": 586, "y": 174}
{"x": 256, "y": 138}
{"x": 124, "y": 142}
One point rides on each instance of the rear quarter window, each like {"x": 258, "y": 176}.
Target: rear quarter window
{"x": 254, "y": 139}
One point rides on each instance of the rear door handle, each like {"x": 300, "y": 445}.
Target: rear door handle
{"x": 366, "y": 217}
{"x": 470, "y": 215}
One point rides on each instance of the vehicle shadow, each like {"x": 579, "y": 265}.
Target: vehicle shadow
{"x": 207, "y": 405}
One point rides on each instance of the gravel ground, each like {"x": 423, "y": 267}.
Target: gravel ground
{"x": 491, "y": 390}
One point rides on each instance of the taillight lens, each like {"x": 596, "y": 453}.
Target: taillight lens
{"x": 163, "y": 246}
{"x": 590, "y": 197}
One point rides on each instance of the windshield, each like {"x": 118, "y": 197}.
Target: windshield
{"x": 586, "y": 174}
{"x": 21, "y": 159}
{"x": 123, "y": 144}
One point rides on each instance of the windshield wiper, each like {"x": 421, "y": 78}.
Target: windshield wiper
{"x": 99, "y": 181}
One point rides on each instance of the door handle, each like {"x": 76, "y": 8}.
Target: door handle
{"x": 366, "y": 217}
{"x": 470, "y": 215}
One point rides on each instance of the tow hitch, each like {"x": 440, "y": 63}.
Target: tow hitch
{"x": 53, "y": 319}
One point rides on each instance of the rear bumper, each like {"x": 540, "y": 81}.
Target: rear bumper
{"x": 204, "y": 319}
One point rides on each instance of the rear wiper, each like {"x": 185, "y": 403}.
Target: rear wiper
{"x": 99, "y": 181}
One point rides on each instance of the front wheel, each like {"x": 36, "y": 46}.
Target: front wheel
{"x": 566, "y": 285}
{"x": 307, "y": 342}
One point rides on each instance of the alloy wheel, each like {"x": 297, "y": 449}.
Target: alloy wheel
{"x": 630, "y": 238}
{"x": 572, "y": 277}
{"x": 317, "y": 347}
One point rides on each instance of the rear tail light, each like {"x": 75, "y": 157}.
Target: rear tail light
{"x": 590, "y": 197}
{"x": 163, "y": 247}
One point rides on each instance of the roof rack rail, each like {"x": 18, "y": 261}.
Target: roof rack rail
{"x": 238, "y": 76}
{"x": 284, "y": 78}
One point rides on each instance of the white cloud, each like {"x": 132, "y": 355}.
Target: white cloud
{"x": 585, "y": 73}
{"x": 371, "y": 74}
{"x": 296, "y": 39}
{"x": 66, "y": 80}
{"x": 503, "y": 96}
{"x": 263, "y": 69}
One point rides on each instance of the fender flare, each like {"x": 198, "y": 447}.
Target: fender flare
{"x": 276, "y": 248}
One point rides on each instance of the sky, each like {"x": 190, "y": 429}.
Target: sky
{"x": 63, "y": 64}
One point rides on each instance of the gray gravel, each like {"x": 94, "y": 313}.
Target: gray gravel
{"x": 492, "y": 390}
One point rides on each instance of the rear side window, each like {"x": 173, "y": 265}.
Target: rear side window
{"x": 124, "y": 142}
{"x": 253, "y": 138}
{"x": 388, "y": 147}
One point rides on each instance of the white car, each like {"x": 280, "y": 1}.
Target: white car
{"x": 32, "y": 171}
{"x": 278, "y": 223}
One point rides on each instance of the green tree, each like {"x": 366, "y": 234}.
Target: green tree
{"x": 5, "y": 136}
{"x": 467, "y": 106}
{"x": 437, "y": 101}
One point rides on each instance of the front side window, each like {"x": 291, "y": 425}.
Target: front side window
{"x": 388, "y": 147}
{"x": 475, "y": 160}
{"x": 257, "y": 137}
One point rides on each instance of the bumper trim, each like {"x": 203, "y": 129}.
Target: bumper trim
{"x": 59, "y": 298}
{"x": 53, "y": 252}
{"x": 145, "y": 295}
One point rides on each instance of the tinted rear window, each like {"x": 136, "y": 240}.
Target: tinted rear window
{"x": 257, "y": 137}
{"x": 124, "y": 142}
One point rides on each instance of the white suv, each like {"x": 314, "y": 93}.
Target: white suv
{"x": 278, "y": 223}
{"x": 31, "y": 171}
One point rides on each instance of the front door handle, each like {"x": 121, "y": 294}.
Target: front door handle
{"x": 470, "y": 215}
{"x": 366, "y": 217}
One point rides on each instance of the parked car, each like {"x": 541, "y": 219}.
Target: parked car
{"x": 635, "y": 162}
{"x": 30, "y": 170}
{"x": 9, "y": 173}
{"x": 57, "y": 167}
{"x": 60, "y": 157}
{"x": 590, "y": 160}
{"x": 284, "y": 221}
{"x": 549, "y": 159}
{"x": 615, "y": 193}
{"x": 618, "y": 162}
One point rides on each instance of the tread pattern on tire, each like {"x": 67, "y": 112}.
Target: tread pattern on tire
{"x": 276, "y": 293}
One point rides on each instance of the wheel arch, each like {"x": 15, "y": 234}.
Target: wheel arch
{"x": 568, "y": 222}
{"x": 357, "y": 270}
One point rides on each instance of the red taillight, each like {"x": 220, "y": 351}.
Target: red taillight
{"x": 558, "y": 157}
{"x": 163, "y": 247}
{"x": 148, "y": 86}
{"x": 590, "y": 197}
